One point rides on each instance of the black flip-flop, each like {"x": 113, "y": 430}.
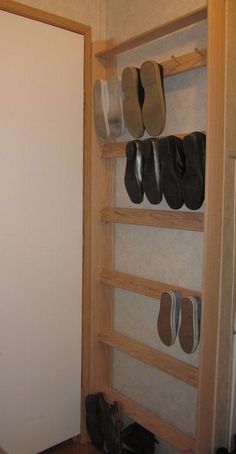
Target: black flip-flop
{"x": 172, "y": 170}
{"x": 134, "y": 171}
{"x": 194, "y": 177}
{"x": 152, "y": 172}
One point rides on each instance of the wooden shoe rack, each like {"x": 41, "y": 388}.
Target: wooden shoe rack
{"x": 213, "y": 396}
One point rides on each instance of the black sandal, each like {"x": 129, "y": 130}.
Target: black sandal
{"x": 134, "y": 171}
{"x": 172, "y": 170}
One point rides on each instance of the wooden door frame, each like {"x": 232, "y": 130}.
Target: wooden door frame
{"x": 38, "y": 15}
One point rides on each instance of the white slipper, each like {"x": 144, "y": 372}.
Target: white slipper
{"x": 101, "y": 106}
{"x": 115, "y": 111}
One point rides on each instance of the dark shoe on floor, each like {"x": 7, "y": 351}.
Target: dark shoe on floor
{"x": 168, "y": 317}
{"x": 194, "y": 177}
{"x": 151, "y": 171}
{"x": 138, "y": 439}
{"x": 154, "y": 106}
{"x": 134, "y": 171}
{"x": 112, "y": 425}
{"x": 94, "y": 420}
{"x": 133, "y": 101}
{"x": 172, "y": 170}
{"x": 189, "y": 330}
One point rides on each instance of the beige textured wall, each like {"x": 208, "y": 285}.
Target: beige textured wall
{"x": 161, "y": 254}
{"x": 89, "y": 12}
{"x": 125, "y": 18}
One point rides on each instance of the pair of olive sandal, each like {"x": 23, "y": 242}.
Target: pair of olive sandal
{"x": 104, "y": 425}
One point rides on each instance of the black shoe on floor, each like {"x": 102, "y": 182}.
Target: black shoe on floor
{"x": 94, "y": 420}
{"x": 151, "y": 171}
{"x": 133, "y": 101}
{"x": 112, "y": 425}
{"x": 172, "y": 170}
{"x": 139, "y": 439}
{"x": 194, "y": 177}
{"x": 134, "y": 171}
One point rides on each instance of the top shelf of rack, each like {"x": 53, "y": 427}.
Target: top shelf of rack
{"x": 154, "y": 33}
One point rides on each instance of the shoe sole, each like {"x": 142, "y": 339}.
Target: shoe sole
{"x": 101, "y": 105}
{"x": 189, "y": 331}
{"x": 131, "y": 105}
{"x": 132, "y": 183}
{"x": 171, "y": 183}
{"x": 154, "y": 107}
{"x": 151, "y": 178}
{"x": 193, "y": 181}
{"x": 115, "y": 112}
{"x": 167, "y": 324}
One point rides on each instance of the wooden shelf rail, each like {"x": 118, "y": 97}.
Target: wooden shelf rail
{"x": 164, "y": 430}
{"x": 154, "y": 33}
{"x": 178, "y": 220}
{"x": 166, "y": 363}
{"x": 140, "y": 285}
{"x": 117, "y": 150}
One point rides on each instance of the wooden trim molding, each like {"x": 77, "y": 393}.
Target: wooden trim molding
{"x": 10, "y": 6}
{"x": 29, "y": 12}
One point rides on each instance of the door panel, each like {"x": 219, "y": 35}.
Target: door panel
{"x": 41, "y": 185}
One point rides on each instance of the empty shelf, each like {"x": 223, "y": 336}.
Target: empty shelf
{"x": 166, "y": 363}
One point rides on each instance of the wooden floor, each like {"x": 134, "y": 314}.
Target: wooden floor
{"x": 71, "y": 447}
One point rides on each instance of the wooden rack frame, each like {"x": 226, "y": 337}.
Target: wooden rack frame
{"x": 104, "y": 278}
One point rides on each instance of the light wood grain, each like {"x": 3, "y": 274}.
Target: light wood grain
{"x": 152, "y": 357}
{"x": 225, "y": 402}
{"x": 206, "y": 423}
{"x": 183, "y": 63}
{"x": 117, "y": 150}
{"x": 87, "y": 202}
{"x": 155, "y": 33}
{"x": 137, "y": 284}
{"x": 178, "y": 220}
{"x": 39, "y": 15}
{"x": 162, "y": 429}
{"x": 102, "y": 249}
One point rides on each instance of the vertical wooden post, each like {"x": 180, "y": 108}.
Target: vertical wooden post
{"x": 101, "y": 249}
{"x": 206, "y": 422}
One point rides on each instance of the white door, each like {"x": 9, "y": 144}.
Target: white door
{"x": 41, "y": 180}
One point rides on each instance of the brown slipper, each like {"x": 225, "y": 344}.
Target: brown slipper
{"x": 189, "y": 331}
{"x": 168, "y": 317}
